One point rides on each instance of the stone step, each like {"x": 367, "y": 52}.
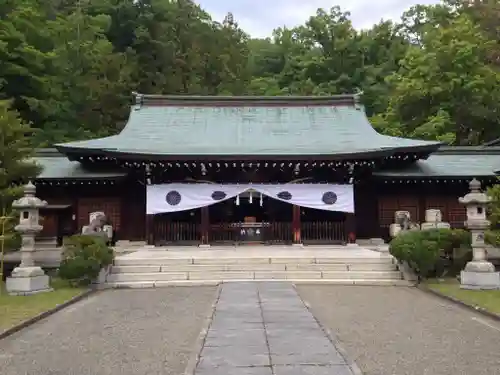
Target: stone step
{"x": 254, "y": 267}
{"x": 46, "y": 244}
{"x": 153, "y": 261}
{"x": 159, "y": 284}
{"x": 253, "y": 275}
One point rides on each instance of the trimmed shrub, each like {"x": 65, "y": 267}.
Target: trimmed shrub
{"x": 492, "y": 237}
{"x": 428, "y": 251}
{"x": 83, "y": 258}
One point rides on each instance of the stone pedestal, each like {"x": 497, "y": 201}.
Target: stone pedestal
{"x": 433, "y": 220}
{"x": 429, "y": 225}
{"x": 479, "y": 280}
{"x": 433, "y": 215}
{"x": 402, "y": 223}
{"x": 27, "y": 280}
{"x": 479, "y": 273}
{"x": 394, "y": 230}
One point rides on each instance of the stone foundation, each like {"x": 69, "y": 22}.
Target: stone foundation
{"x": 27, "y": 280}
{"x": 479, "y": 280}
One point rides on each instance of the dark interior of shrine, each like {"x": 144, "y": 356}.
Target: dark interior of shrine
{"x": 272, "y": 210}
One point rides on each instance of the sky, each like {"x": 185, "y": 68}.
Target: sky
{"x": 260, "y": 17}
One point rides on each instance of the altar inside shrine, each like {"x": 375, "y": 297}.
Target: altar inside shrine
{"x": 251, "y": 231}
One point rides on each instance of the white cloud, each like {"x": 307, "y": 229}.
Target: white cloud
{"x": 260, "y": 17}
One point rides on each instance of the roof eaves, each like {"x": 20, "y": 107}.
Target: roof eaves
{"x": 74, "y": 152}
{"x": 468, "y": 150}
{"x": 58, "y": 167}
{"x": 47, "y": 152}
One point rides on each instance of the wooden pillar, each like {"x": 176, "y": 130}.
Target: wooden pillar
{"x": 205, "y": 225}
{"x": 150, "y": 219}
{"x": 296, "y": 225}
{"x": 74, "y": 216}
{"x": 150, "y": 229}
{"x": 421, "y": 208}
{"x": 350, "y": 227}
{"x": 350, "y": 218}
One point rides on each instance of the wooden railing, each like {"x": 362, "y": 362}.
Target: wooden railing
{"x": 166, "y": 232}
{"x": 323, "y": 232}
{"x": 174, "y": 232}
{"x": 223, "y": 233}
{"x": 280, "y": 233}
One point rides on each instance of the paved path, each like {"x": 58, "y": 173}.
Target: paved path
{"x": 265, "y": 329}
{"x": 404, "y": 331}
{"x": 115, "y": 332}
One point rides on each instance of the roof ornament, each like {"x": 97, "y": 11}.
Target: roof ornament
{"x": 357, "y": 99}
{"x": 139, "y": 100}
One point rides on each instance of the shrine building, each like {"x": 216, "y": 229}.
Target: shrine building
{"x": 235, "y": 170}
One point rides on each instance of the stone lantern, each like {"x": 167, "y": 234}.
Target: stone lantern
{"x": 478, "y": 273}
{"x": 28, "y": 278}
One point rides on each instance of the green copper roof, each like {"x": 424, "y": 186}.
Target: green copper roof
{"x": 232, "y": 126}
{"x": 56, "y": 166}
{"x": 452, "y": 162}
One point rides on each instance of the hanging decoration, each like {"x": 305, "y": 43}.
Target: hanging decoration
{"x": 250, "y": 197}
{"x": 326, "y": 197}
{"x": 182, "y": 197}
{"x": 176, "y": 197}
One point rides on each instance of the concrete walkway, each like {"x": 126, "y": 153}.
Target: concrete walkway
{"x": 404, "y": 331}
{"x": 115, "y": 332}
{"x": 265, "y": 329}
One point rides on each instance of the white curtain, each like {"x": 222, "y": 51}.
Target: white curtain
{"x": 182, "y": 197}
{"x": 327, "y": 197}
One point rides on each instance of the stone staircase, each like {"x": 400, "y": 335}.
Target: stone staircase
{"x": 338, "y": 265}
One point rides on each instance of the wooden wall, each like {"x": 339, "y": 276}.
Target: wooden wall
{"x": 51, "y": 218}
{"x": 366, "y": 211}
{"x": 114, "y": 200}
{"x": 111, "y": 206}
{"x": 417, "y": 198}
{"x": 133, "y": 212}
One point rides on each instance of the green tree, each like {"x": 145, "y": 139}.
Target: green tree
{"x": 16, "y": 165}
{"x": 25, "y": 59}
{"x": 444, "y": 89}
{"x": 92, "y": 88}
{"x": 486, "y": 14}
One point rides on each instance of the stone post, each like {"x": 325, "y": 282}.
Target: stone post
{"x": 478, "y": 273}
{"x": 28, "y": 278}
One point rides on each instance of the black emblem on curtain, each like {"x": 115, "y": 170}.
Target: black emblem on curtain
{"x": 218, "y": 195}
{"x": 173, "y": 198}
{"x": 329, "y": 198}
{"x": 285, "y": 195}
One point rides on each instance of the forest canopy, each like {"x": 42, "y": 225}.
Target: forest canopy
{"x": 68, "y": 67}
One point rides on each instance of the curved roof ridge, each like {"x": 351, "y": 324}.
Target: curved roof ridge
{"x": 218, "y": 100}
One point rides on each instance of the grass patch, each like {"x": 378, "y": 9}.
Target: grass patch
{"x": 487, "y": 299}
{"x": 16, "y": 309}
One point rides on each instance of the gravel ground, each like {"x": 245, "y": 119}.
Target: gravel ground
{"x": 404, "y": 331}
{"x": 115, "y": 332}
